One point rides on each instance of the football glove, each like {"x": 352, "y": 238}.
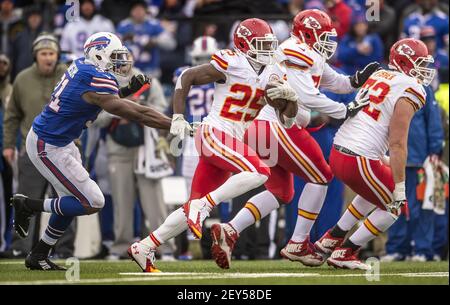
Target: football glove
{"x": 399, "y": 199}
{"x": 362, "y": 99}
{"x": 282, "y": 90}
{"x": 136, "y": 83}
{"x": 360, "y": 77}
{"x": 180, "y": 127}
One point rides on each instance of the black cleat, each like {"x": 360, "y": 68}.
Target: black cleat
{"x": 41, "y": 262}
{"x": 22, "y": 214}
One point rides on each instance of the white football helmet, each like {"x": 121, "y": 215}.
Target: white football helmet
{"x": 202, "y": 49}
{"x": 106, "y": 51}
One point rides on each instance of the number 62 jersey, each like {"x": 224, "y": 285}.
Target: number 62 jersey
{"x": 67, "y": 114}
{"x": 239, "y": 99}
{"x": 367, "y": 134}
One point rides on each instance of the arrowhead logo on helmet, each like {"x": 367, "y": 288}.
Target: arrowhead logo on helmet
{"x": 243, "y": 31}
{"x": 404, "y": 49}
{"x": 312, "y": 23}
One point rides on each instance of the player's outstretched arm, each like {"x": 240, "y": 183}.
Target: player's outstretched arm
{"x": 398, "y": 148}
{"x": 128, "y": 110}
{"x": 199, "y": 75}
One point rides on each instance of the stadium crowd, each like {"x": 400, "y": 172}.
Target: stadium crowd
{"x": 40, "y": 38}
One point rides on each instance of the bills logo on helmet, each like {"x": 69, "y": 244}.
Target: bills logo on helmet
{"x": 404, "y": 49}
{"x": 312, "y": 23}
{"x": 98, "y": 43}
{"x": 243, "y": 32}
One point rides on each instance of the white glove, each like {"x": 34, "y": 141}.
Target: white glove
{"x": 362, "y": 99}
{"x": 282, "y": 90}
{"x": 399, "y": 199}
{"x": 180, "y": 127}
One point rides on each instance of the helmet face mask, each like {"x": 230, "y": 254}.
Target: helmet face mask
{"x": 262, "y": 49}
{"x": 326, "y": 44}
{"x": 421, "y": 71}
{"x": 121, "y": 62}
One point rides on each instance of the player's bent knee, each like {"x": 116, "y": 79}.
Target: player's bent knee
{"x": 284, "y": 197}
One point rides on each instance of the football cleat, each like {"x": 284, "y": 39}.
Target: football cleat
{"x": 41, "y": 262}
{"x": 143, "y": 256}
{"x": 327, "y": 243}
{"x": 196, "y": 212}
{"x": 346, "y": 258}
{"x": 302, "y": 252}
{"x": 223, "y": 237}
{"x": 22, "y": 214}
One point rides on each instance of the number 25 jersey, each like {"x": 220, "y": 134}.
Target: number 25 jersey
{"x": 367, "y": 134}
{"x": 239, "y": 99}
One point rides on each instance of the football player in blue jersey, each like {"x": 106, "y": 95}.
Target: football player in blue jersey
{"x": 198, "y": 102}
{"x": 88, "y": 86}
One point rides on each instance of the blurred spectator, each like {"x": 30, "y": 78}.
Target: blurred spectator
{"x": 10, "y": 24}
{"x": 75, "y": 33}
{"x": 20, "y": 54}
{"x": 428, "y": 36}
{"x": 427, "y": 14}
{"x": 145, "y": 36}
{"x": 135, "y": 169}
{"x": 384, "y": 27}
{"x": 359, "y": 48}
{"x": 177, "y": 7}
{"x": 295, "y": 6}
{"x": 341, "y": 15}
{"x": 31, "y": 92}
{"x": 5, "y": 168}
{"x": 116, "y": 10}
{"x": 414, "y": 236}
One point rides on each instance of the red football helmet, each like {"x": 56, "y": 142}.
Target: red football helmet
{"x": 411, "y": 57}
{"x": 315, "y": 28}
{"x": 255, "y": 39}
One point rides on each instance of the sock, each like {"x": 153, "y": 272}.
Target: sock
{"x": 357, "y": 210}
{"x": 348, "y": 244}
{"x": 174, "y": 225}
{"x": 338, "y": 232}
{"x": 256, "y": 208}
{"x": 36, "y": 205}
{"x": 377, "y": 222}
{"x": 309, "y": 206}
{"x": 236, "y": 185}
{"x": 64, "y": 206}
{"x": 56, "y": 227}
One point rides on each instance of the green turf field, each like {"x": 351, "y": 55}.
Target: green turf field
{"x": 242, "y": 272}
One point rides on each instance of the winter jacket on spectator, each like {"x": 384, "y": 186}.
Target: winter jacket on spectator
{"x": 31, "y": 92}
{"x": 145, "y": 41}
{"x": 436, "y": 18}
{"x": 341, "y": 14}
{"x": 352, "y": 60}
{"x": 426, "y": 135}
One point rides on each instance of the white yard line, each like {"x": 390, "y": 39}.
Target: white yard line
{"x": 150, "y": 277}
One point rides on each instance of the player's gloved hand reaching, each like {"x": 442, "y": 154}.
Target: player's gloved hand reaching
{"x": 399, "y": 202}
{"x": 282, "y": 90}
{"x": 135, "y": 84}
{"x": 194, "y": 126}
{"x": 362, "y": 99}
{"x": 180, "y": 127}
{"x": 360, "y": 77}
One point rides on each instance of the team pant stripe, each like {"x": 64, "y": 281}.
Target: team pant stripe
{"x": 351, "y": 208}
{"x": 254, "y": 210}
{"x": 386, "y": 197}
{"x": 223, "y": 152}
{"x": 210, "y": 200}
{"x": 307, "y": 215}
{"x": 369, "y": 225}
{"x": 60, "y": 176}
{"x": 305, "y": 164}
{"x": 155, "y": 241}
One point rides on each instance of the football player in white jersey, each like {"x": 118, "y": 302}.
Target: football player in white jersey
{"x": 358, "y": 156}
{"x": 240, "y": 77}
{"x": 294, "y": 150}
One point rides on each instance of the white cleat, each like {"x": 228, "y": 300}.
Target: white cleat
{"x": 346, "y": 258}
{"x": 143, "y": 256}
{"x": 196, "y": 212}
